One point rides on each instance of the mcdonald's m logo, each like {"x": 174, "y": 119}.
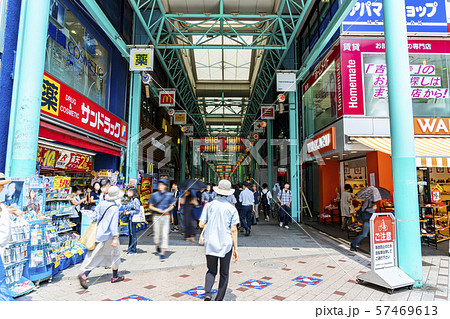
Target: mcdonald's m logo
{"x": 167, "y": 98}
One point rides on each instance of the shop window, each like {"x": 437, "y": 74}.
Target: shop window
{"x": 75, "y": 56}
{"x": 429, "y": 85}
{"x": 320, "y": 102}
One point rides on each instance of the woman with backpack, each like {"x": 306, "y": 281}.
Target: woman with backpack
{"x": 266, "y": 196}
{"x": 132, "y": 209}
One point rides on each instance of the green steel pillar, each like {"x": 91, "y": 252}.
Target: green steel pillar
{"x": 253, "y": 167}
{"x": 134, "y": 123}
{"x": 183, "y": 159}
{"x": 294, "y": 150}
{"x": 270, "y": 169}
{"x": 23, "y": 132}
{"x": 402, "y": 140}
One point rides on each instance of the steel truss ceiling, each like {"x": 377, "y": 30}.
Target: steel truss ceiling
{"x": 171, "y": 30}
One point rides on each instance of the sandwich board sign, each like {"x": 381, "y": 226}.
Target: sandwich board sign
{"x": 383, "y": 248}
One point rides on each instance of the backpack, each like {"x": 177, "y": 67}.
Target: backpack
{"x": 264, "y": 200}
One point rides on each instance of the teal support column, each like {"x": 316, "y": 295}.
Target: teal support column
{"x": 270, "y": 169}
{"x": 294, "y": 151}
{"x": 402, "y": 139}
{"x": 253, "y": 167}
{"x": 21, "y": 154}
{"x": 134, "y": 124}
{"x": 183, "y": 159}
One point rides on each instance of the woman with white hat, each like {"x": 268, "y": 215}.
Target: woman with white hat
{"x": 5, "y": 232}
{"x": 107, "y": 250}
{"x": 220, "y": 219}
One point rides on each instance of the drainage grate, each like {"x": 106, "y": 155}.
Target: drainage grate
{"x": 270, "y": 265}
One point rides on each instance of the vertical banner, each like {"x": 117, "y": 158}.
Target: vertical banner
{"x": 352, "y": 93}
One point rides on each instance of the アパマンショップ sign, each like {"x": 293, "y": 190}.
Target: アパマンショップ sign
{"x": 61, "y": 102}
{"x": 321, "y": 143}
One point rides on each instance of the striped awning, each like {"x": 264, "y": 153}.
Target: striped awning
{"x": 430, "y": 151}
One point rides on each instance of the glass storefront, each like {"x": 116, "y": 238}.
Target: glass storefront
{"x": 320, "y": 101}
{"x": 75, "y": 56}
{"x": 429, "y": 85}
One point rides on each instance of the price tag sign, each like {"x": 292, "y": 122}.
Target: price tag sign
{"x": 61, "y": 182}
{"x": 68, "y": 254}
{"x": 80, "y": 251}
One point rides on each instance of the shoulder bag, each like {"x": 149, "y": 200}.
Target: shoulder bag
{"x": 140, "y": 217}
{"x": 88, "y": 239}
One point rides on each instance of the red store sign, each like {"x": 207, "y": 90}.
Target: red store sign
{"x": 63, "y": 103}
{"x": 321, "y": 143}
{"x": 52, "y": 159}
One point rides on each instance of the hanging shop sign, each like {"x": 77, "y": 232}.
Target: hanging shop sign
{"x": 286, "y": 81}
{"x": 47, "y": 157}
{"x": 141, "y": 59}
{"x": 421, "y": 16}
{"x": 431, "y": 126}
{"x": 61, "y": 102}
{"x": 168, "y": 172}
{"x": 257, "y": 127}
{"x": 188, "y": 130}
{"x": 321, "y": 143}
{"x": 436, "y": 195}
{"x": 179, "y": 118}
{"x": 166, "y": 98}
{"x": 282, "y": 171}
{"x": 267, "y": 112}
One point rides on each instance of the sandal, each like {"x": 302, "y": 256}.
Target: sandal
{"x": 83, "y": 281}
{"x": 120, "y": 278}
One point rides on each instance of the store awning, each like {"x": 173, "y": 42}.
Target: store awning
{"x": 430, "y": 151}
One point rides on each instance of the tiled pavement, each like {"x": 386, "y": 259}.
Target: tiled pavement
{"x": 270, "y": 254}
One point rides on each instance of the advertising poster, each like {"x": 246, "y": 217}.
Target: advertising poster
{"x": 11, "y": 195}
{"x": 33, "y": 198}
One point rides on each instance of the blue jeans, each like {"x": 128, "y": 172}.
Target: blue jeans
{"x": 246, "y": 216}
{"x": 363, "y": 234}
{"x": 175, "y": 217}
{"x": 4, "y": 293}
{"x": 132, "y": 238}
{"x": 285, "y": 213}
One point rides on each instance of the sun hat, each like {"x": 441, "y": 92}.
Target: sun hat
{"x": 3, "y": 180}
{"x": 114, "y": 193}
{"x": 224, "y": 188}
{"x": 164, "y": 181}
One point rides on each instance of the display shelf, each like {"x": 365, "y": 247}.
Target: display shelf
{"x": 64, "y": 230}
{"x": 58, "y": 199}
{"x": 23, "y": 261}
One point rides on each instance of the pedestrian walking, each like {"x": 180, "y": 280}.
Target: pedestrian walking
{"x": 189, "y": 202}
{"x": 161, "y": 204}
{"x": 132, "y": 208}
{"x": 107, "y": 251}
{"x": 75, "y": 216}
{"x": 219, "y": 219}
{"x": 346, "y": 206}
{"x": 208, "y": 195}
{"x": 5, "y": 234}
{"x": 247, "y": 199}
{"x": 238, "y": 205}
{"x": 266, "y": 196}
{"x": 175, "y": 212}
{"x": 364, "y": 215}
{"x": 256, "y": 200}
{"x": 285, "y": 199}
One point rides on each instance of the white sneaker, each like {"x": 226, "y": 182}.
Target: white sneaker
{"x": 281, "y": 224}
{"x": 287, "y": 227}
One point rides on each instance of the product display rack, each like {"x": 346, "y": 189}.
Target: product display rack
{"x": 15, "y": 257}
{"x": 432, "y": 224}
{"x": 39, "y": 265}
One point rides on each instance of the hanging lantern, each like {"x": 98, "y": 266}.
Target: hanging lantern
{"x": 242, "y": 148}
{"x": 242, "y": 140}
{"x": 202, "y": 148}
{"x": 256, "y": 136}
{"x": 222, "y": 145}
